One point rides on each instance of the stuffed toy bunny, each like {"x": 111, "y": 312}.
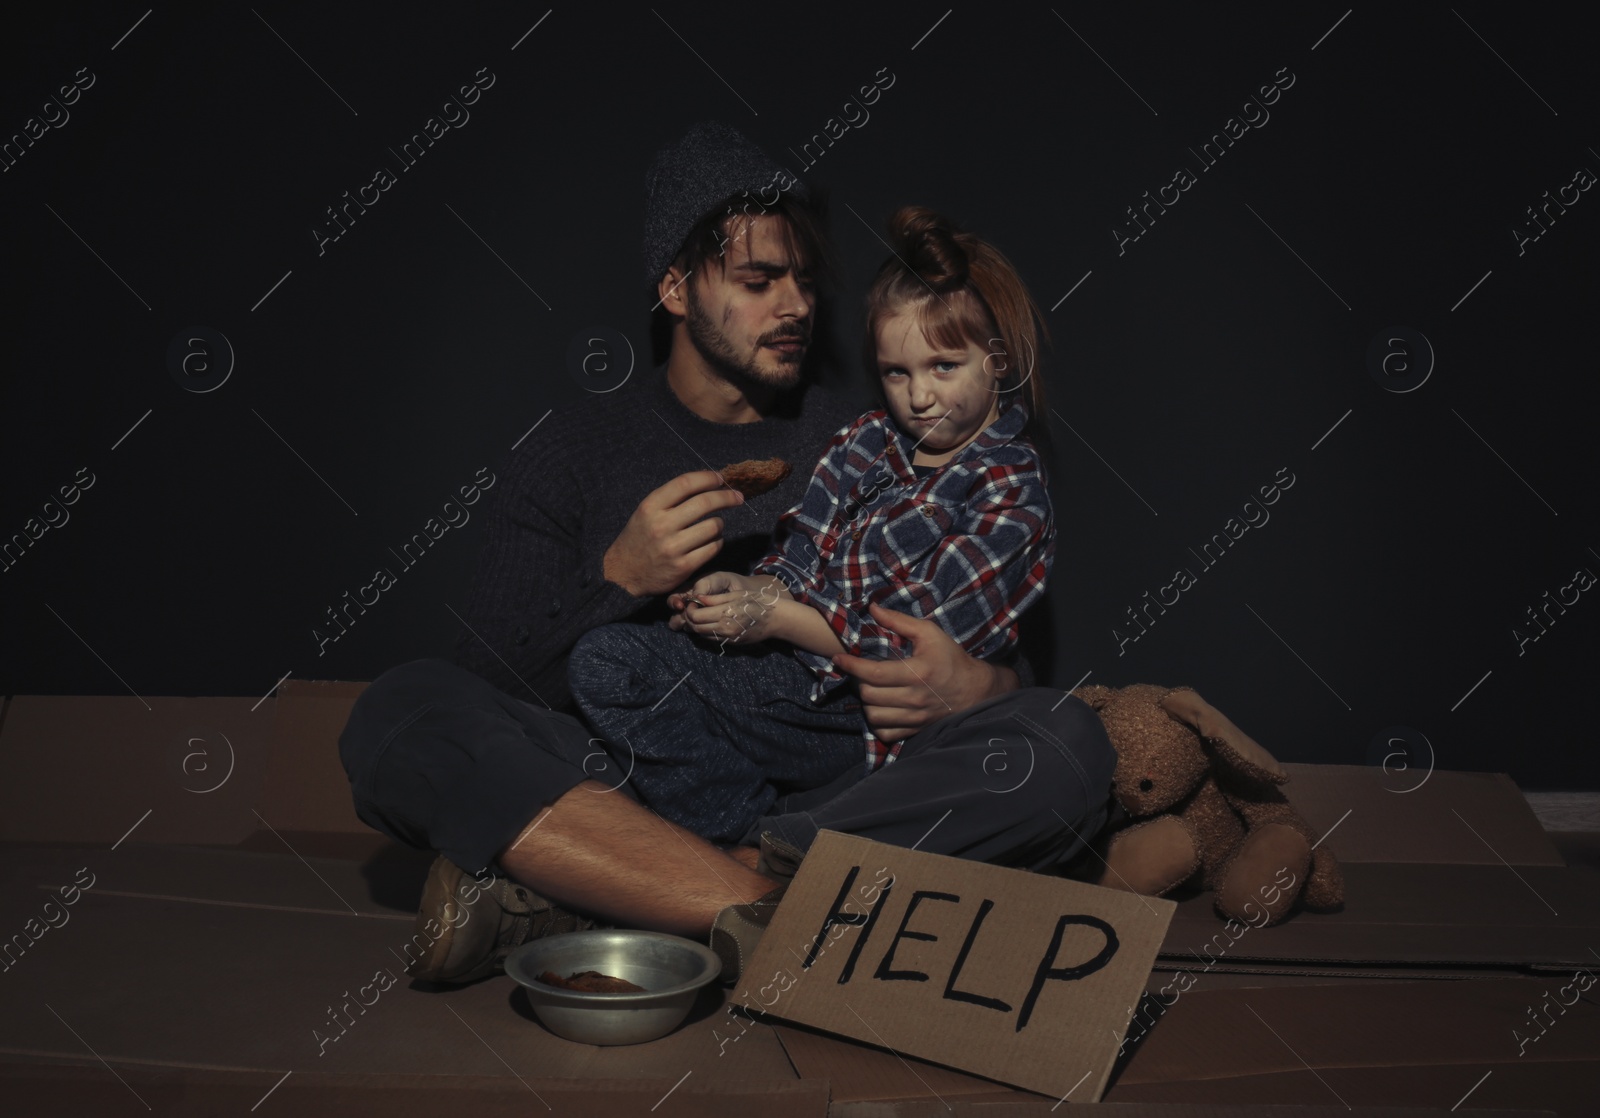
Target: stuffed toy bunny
{"x": 1204, "y": 805}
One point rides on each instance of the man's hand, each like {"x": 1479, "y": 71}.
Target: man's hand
{"x": 901, "y": 696}
{"x": 671, "y": 534}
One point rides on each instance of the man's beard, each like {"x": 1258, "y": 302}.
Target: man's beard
{"x": 744, "y": 372}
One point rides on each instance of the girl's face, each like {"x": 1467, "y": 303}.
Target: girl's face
{"x": 941, "y": 398}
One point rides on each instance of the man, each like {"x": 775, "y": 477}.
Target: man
{"x": 606, "y": 509}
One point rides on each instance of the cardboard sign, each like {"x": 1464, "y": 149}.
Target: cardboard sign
{"x": 1016, "y": 976}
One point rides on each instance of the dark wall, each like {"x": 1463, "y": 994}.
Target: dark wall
{"x": 1240, "y": 340}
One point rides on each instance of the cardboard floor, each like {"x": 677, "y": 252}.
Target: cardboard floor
{"x": 236, "y": 907}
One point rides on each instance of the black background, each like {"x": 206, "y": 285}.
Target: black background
{"x": 1228, "y": 342}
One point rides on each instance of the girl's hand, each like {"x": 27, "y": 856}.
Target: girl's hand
{"x": 726, "y": 582}
{"x": 717, "y": 582}
{"x": 745, "y": 615}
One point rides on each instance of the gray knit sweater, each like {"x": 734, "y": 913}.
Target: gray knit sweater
{"x": 565, "y": 495}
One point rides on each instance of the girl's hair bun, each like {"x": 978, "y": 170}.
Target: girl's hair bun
{"x": 927, "y": 242}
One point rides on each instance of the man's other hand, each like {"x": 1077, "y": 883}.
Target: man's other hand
{"x": 671, "y": 534}
{"x": 902, "y": 695}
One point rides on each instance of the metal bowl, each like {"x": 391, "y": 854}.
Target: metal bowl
{"x": 671, "y": 969}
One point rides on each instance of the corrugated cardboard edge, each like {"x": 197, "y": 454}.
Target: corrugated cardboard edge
{"x": 282, "y": 754}
{"x": 1406, "y": 914}
{"x": 83, "y": 1087}
{"x": 1367, "y": 814}
{"x": 1221, "y": 1034}
{"x": 1030, "y": 1108}
{"x": 305, "y": 787}
{"x": 860, "y": 1072}
{"x": 152, "y": 769}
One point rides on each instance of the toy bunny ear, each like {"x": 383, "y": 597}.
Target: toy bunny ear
{"x": 1229, "y": 744}
{"x": 1095, "y": 694}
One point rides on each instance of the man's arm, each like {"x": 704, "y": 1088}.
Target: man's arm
{"x": 955, "y": 608}
{"x": 901, "y": 696}
{"x": 671, "y": 534}
{"x": 537, "y": 590}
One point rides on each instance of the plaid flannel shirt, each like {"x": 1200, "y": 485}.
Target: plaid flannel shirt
{"x": 968, "y": 547}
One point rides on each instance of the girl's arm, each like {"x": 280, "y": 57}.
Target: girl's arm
{"x": 805, "y": 628}
{"x": 754, "y": 609}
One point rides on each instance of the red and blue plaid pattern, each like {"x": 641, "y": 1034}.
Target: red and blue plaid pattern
{"x": 969, "y": 547}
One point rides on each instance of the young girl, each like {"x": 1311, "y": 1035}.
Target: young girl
{"x": 934, "y": 506}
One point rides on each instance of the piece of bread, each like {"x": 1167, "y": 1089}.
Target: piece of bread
{"x": 755, "y": 476}
{"x": 591, "y": 982}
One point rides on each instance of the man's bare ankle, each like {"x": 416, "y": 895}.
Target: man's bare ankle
{"x": 746, "y": 856}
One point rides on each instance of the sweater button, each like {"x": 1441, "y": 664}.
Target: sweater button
{"x": 585, "y": 579}
{"x": 555, "y": 607}
{"x": 521, "y": 635}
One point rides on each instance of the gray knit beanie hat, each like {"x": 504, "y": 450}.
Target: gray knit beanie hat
{"x": 712, "y": 162}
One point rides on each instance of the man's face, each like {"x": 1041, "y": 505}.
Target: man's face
{"x": 751, "y": 322}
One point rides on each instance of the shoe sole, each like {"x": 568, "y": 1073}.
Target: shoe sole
{"x": 439, "y": 890}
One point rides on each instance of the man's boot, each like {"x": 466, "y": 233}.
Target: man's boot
{"x": 468, "y": 925}
{"x": 738, "y": 928}
{"x": 778, "y": 860}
